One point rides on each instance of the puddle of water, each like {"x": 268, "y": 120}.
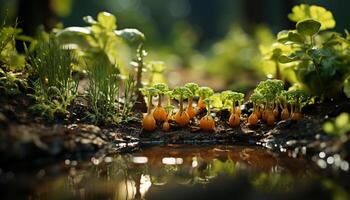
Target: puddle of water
{"x": 154, "y": 172}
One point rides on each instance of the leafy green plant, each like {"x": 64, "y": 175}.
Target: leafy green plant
{"x": 54, "y": 87}
{"x": 207, "y": 122}
{"x": 101, "y": 39}
{"x": 297, "y": 100}
{"x": 180, "y": 94}
{"x": 320, "y": 59}
{"x": 11, "y": 63}
{"x": 203, "y": 93}
{"x": 270, "y": 90}
{"x": 129, "y": 98}
{"x": 340, "y": 127}
{"x": 103, "y": 93}
{"x": 159, "y": 112}
{"x": 193, "y": 87}
{"x": 149, "y": 123}
{"x": 236, "y": 100}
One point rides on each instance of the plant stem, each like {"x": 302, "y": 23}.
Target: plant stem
{"x": 149, "y": 107}
{"x": 181, "y": 104}
{"x": 159, "y": 100}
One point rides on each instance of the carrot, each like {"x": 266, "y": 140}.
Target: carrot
{"x": 207, "y": 123}
{"x": 148, "y": 122}
{"x": 253, "y": 119}
{"x": 159, "y": 114}
{"x": 285, "y": 114}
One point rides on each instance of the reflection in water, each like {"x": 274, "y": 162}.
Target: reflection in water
{"x": 132, "y": 176}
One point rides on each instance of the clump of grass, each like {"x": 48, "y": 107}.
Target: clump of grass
{"x": 103, "y": 93}
{"x": 54, "y": 85}
{"x": 130, "y": 98}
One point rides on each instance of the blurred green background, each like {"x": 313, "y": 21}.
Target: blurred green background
{"x": 215, "y": 43}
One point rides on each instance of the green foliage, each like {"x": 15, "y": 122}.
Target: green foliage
{"x": 270, "y": 89}
{"x": 11, "y": 63}
{"x": 103, "y": 93}
{"x": 205, "y": 92}
{"x": 100, "y": 40}
{"x": 320, "y": 60}
{"x": 317, "y": 13}
{"x": 339, "y": 127}
{"x": 9, "y": 57}
{"x": 129, "y": 98}
{"x": 181, "y": 93}
{"x": 238, "y": 52}
{"x": 297, "y": 99}
{"x": 54, "y": 87}
{"x": 308, "y": 27}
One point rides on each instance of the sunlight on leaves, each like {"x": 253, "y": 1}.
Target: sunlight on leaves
{"x": 317, "y": 13}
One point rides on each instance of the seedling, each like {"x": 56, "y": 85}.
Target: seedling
{"x": 166, "y": 125}
{"x": 55, "y": 88}
{"x": 103, "y": 93}
{"x": 319, "y": 59}
{"x": 236, "y": 99}
{"x": 203, "y": 93}
{"x": 159, "y": 112}
{"x": 193, "y": 87}
{"x": 181, "y": 117}
{"x": 282, "y": 99}
{"x": 257, "y": 99}
{"x": 207, "y": 122}
{"x": 270, "y": 90}
{"x": 149, "y": 123}
{"x": 297, "y": 100}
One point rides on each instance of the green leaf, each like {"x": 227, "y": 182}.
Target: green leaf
{"x": 107, "y": 20}
{"x": 286, "y": 59}
{"x": 77, "y": 36}
{"x": 296, "y": 37}
{"x": 318, "y": 13}
{"x": 347, "y": 87}
{"x": 131, "y": 35}
{"x": 282, "y": 36}
{"x": 308, "y": 27}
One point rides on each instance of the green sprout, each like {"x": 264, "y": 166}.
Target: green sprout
{"x": 180, "y": 94}
{"x": 203, "y": 93}
{"x": 103, "y": 93}
{"x": 297, "y": 100}
{"x": 149, "y": 92}
{"x": 55, "y": 87}
{"x": 236, "y": 99}
{"x": 162, "y": 88}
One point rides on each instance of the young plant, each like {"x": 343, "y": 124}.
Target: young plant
{"x": 270, "y": 90}
{"x": 282, "y": 99}
{"x": 207, "y": 122}
{"x": 129, "y": 98}
{"x": 203, "y": 93}
{"x": 148, "y": 122}
{"x": 297, "y": 100}
{"x": 159, "y": 113}
{"x": 193, "y": 87}
{"x": 236, "y": 99}
{"x": 54, "y": 87}
{"x": 320, "y": 59}
{"x": 181, "y": 117}
{"x": 103, "y": 93}
{"x": 12, "y": 63}
{"x": 257, "y": 99}
{"x": 166, "y": 125}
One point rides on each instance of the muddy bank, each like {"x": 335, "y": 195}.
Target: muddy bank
{"x": 26, "y": 137}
